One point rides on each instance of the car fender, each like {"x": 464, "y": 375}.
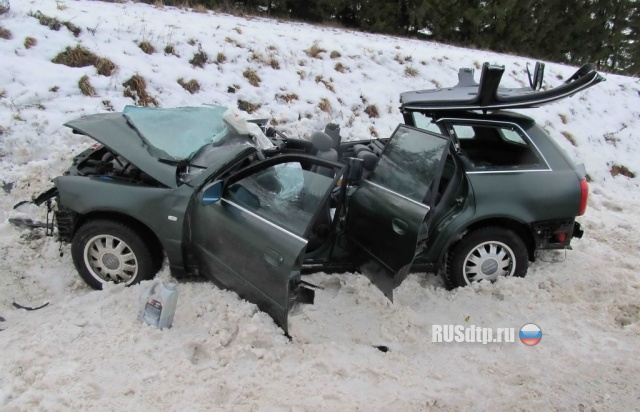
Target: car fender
{"x": 160, "y": 209}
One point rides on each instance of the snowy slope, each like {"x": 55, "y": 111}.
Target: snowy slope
{"x": 86, "y": 349}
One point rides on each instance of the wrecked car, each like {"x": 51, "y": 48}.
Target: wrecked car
{"x": 462, "y": 188}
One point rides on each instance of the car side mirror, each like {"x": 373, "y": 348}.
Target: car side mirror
{"x": 354, "y": 173}
{"x": 213, "y": 193}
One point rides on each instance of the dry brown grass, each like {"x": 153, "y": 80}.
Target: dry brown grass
{"x": 54, "y": 89}
{"x": 287, "y": 97}
{"x": 199, "y": 59}
{"x": 410, "y": 71}
{"x": 85, "y": 87}
{"x": 248, "y": 106}
{"x": 192, "y": 86}
{"x": 372, "y": 111}
{"x": 3, "y": 94}
{"x": 200, "y": 8}
{"x": 55, "y": 24}
{"x": 252, "y": 77}
{"x": 327, "y": 83}
{"x": 436, "y": 84}
{"x": 335, "y": 54}
{"x": 171, "y": 49}
{"x": 237, "y": 30}
{"x": 324, "y": 105}
{"x": 569, "y": 137}
{"x": 192, "y": 42}
{"x": 221, "y": 58}
{"x": 30, "y": 42}
{"x": 269, "y": 60}
{"x": 136, "y": 88}
{"x": 315, "y": 51}
{"x": 5, "y": 34}
{"x": 563, "y": 118}
{"x": 373, "y": 131}
{"x": 146, "y": 47}
{"x": 81, "y": 57}
{"x": 621, "y": 170}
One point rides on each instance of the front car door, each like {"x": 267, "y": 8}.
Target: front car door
{"x": 387, "y": 214}
{"x": 252, "y": 240}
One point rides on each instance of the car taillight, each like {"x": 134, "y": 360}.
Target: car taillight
{"x": 584, "y": 195}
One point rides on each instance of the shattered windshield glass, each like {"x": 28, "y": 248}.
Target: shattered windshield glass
{"x": 177, "y": 133}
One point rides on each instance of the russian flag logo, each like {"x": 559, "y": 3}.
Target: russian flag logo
{"x": 530, "y": 334}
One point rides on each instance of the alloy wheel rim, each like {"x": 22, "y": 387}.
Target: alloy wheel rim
{"x": 489, "y": 261}
{"x": 110, "y": 259}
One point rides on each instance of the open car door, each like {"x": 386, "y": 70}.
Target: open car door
{"x": 388, "y": 213}
{"x": 249, "y": 232}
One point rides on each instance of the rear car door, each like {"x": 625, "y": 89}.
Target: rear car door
{"x": 251, "y": 236}
{"x": 387, "y": 214}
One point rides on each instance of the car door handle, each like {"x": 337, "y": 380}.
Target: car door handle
{"x": 272, "y": 257}
{"x": 399, "y": 226}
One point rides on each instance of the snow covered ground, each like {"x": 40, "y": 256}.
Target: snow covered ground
{"x": 87, "y": 350}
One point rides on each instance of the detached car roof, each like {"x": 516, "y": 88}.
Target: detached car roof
{"x": 488, "y": 95}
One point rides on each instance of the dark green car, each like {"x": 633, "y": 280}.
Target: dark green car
{"x": 462, "y": 188}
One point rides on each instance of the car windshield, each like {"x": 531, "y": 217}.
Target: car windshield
{"x": 177, "y": 134}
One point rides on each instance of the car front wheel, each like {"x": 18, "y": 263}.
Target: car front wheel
{"x": 105, "y": 251}
{"x": 486, "y": 254}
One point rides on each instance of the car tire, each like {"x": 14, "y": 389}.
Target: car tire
{"x": 105, "y": 251}
{"x": 486, "y": 254}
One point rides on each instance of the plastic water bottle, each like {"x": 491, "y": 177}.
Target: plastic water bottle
{"x": 159, "y": 303}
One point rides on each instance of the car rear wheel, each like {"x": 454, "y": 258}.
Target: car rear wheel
{"x": 486, "y": 254}
{"x": 107, "y": 251}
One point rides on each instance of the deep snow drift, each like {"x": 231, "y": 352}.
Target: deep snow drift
{"x": 87, "y": 350}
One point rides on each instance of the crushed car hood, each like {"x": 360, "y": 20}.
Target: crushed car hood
{"x": 114, "y": 131}
{"x": 158, "y": 140}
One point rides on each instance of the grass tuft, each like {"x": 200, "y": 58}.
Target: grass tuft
{"x": 374, "y": 132}
{"x": 146, "y": 47}
{"x": 315, "y": 51}
{"x": 30, "y": 42}
{"x": 569, "y": 137}
{"x": 199, "y": 59}
{"x": 621, "y": 170}
{"x": 335, "y": 54}
{"x": 252, "y": 77}
{"x": 563, "y": 118}
{"x": 5, "y": 34}
{"x": 340, "y": 67}
{"x": 171, "y": 49}
{"x": 136, "y": 88}
{"x": 410, "y": 71}
{"x": 327, "y": 83}
{"x": 372, "y": 111}
{"x": 221, "y": 58}
{"x": 55, "y": 24}
{"x": 81, "y": 57}
{"x": 85, "y": 87}
{"x": 324, "y": 105}
{"x": 247, "y": 106}
{"x": 287, "y": 97}
{"x": 192, "y": 86}
{"x": 54, "y": 89}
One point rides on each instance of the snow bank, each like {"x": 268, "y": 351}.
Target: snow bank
{"x": 86, "y": 349}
